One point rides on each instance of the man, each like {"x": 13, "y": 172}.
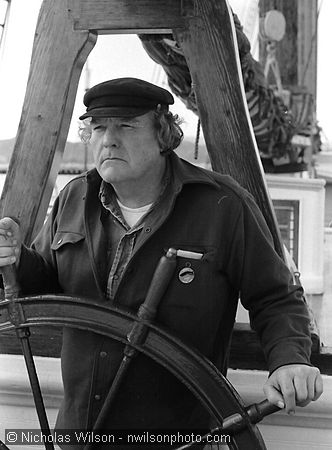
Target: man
{"x": 104, "y": 237}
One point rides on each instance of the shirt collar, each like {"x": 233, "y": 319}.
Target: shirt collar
{"x": 108, "y": 199}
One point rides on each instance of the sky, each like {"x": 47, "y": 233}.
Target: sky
{"x": 118, "y": 55}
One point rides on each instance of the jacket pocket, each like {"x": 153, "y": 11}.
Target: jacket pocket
{"x": 71, "y": 260}
{"x": 62, "y": 238}
{"x": 195, "y": 277}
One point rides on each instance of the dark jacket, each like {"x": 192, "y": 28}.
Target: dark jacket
{"x": 209, "y": 213}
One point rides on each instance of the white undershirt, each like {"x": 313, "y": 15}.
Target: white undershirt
{"x": 133, "y": 215}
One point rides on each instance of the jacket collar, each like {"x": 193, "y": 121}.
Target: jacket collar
{"x": 93, "y": 178}
{"x": 187, "y": 173}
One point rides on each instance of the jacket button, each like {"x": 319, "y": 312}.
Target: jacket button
{"x": 103, "y": 354}
{"x": 147, "y": 230}
{"x": 59, "y": 241}
{"x": 97, "y": 397}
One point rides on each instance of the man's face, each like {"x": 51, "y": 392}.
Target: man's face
{"x": 125, "y": 150}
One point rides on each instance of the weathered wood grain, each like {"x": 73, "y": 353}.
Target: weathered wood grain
{"x": 58, "y": 57}
{"x": 126, "y": 16}
{"x": 208, "y": 41}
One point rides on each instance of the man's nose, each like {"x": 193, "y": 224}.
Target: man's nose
{"x": 110, "y": 138}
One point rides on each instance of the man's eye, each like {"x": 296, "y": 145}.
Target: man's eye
{"x": 126, "y": 125}
{"x": 98, "y": 128}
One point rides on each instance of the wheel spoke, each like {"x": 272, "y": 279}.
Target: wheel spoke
{"x": 201, "y": 377}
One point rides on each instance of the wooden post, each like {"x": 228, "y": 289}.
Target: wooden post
{"x": 209, "y": 44}
{"x": 58, "y": 56}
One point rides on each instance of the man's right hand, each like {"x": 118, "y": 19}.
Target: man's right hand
{"x": 10, "y": 242}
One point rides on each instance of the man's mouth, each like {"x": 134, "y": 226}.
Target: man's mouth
{"x": 112, "y": 158}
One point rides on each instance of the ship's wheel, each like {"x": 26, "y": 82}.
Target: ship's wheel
{"x": 215, "y": 393}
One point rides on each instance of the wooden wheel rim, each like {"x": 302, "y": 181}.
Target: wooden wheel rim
{"x": 214, "y": 391}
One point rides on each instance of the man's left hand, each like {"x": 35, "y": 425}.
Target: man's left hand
{"x": 294, "y": 384}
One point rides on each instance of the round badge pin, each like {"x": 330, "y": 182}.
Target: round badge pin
{"x": 186, "y": 275}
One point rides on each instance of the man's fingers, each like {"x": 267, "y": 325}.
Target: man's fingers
{"x": 280, "y": 389}
{"x": 295, "y": 384}
{"x": 314, "y": 389}
{"x": 273, "y": 395}
{"x": 314, "y": 385}
{"x": 7, "y": 223}
{"x": 7, "y": 251}
{"x": 7, "y": 254}
{"x": 302, "y": 393}
{"x": 288, "y": 392}
{"x": 8, "y": 247}
{"x": 6, "y": 233}
{"x": 7, "y": 261}
{"x": 5, "y": 241}
{"x": 9, "y": 242}
{"x": 318, "y": 386}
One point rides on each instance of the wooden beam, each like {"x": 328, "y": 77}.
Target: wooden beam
{"x": 209, "y": 44}
{"x": 127, "y": 16}
{"x": 57, "y": 60}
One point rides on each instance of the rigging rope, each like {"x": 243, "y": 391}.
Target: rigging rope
{"x": 273, "y": 123}
{"x": 3, "y": 26}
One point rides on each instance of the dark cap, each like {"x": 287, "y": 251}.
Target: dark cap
{"x": 124, "y": 97}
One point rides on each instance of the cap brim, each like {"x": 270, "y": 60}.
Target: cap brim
{"x": 116, "y": 112}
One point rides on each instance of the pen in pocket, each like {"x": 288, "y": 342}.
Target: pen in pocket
{"x": 190, "y": 255}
